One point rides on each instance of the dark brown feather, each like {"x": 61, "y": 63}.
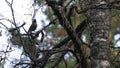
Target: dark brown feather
{"x": 33, "y": 26}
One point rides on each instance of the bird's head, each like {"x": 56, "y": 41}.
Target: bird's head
{"x": 34, "y": 21}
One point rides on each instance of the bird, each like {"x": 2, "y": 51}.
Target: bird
{"x": 33, "y": 26}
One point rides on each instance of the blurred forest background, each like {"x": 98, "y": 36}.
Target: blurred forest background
{"x": 51, "y": 46}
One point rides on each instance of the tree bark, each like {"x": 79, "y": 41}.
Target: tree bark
{"x": 99, "y": 34}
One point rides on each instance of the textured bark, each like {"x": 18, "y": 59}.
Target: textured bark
{"x": 99, "y": 34}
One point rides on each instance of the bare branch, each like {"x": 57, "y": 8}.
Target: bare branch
{"x": 7, "y": 20}
{"x": 4, "y": 25}
{"x": 8, "y": 3}
{"x": 13, "y": 29}
{"x": 22, "y": 64}
{"x": 11, "y": 7}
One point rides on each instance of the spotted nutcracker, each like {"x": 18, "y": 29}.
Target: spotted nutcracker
{"x": 33, "y": 26}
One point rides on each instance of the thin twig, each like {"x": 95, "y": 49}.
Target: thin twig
{"x": 4, "y": 25}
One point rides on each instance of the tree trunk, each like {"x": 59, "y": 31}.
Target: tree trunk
{"x": 99, "y": 34}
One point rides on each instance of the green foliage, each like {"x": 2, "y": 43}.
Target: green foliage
{"x": 115, "y": 57}
{"x": 16, "y": 40}
{"x": 40, "y": 2}
{"x": 69, "y": 61}
{"x": 28, "y": 45}
{"x": 115, "y": 19}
